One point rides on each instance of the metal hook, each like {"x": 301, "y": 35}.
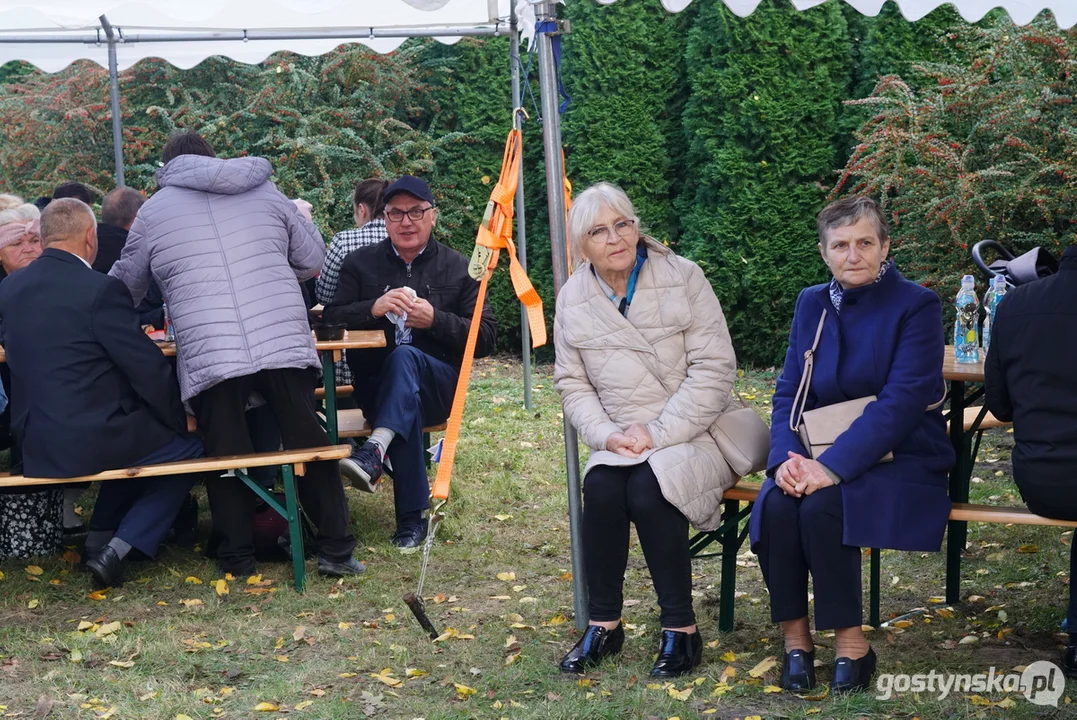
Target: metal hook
{"x": 516, "y": 111}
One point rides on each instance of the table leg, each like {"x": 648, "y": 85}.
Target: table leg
{"x": 330, "y": 384}
{"x": 957, "y": 532}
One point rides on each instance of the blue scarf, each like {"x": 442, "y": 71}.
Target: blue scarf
{"x": 623, "y": 303}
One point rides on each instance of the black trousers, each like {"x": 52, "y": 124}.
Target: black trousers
{"x": 802, "y": 535}
{"x": 613, "y": 497}
{"x": 1056, "y": 503}
{"x": 290, "y": 394}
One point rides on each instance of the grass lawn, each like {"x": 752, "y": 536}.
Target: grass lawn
{"x": 168, "y": 645}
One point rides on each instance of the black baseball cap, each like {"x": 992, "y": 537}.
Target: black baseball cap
{"x": 412, "y": 186}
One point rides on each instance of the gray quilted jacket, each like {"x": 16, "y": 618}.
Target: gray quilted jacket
{"x": 227, "y": 249}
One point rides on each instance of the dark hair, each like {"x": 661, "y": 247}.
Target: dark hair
{"x": 120, "y": 206}
{"x": 849, "y": 211}
{"x": 371, "y": 193}
{"x": 187, "y": 142}
{"x": 73, "y": 190}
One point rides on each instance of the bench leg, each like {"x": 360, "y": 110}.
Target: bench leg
{"x": 728, "y": 589}
{"x": 873, "y": 602}
{"x": 957, "y": 531}
{"x": 330, "y": 383}
{"x": 295, "y": 530}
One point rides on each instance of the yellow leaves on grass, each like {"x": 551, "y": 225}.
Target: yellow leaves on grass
{"x": 303, "y": 705}
{"x": 728, "y": 656}
{"x": 266, "y": 707}
{"x": 33, "y": 603}
{"x": 1028, "y": 549}
{"x": 299, "y": 633}
{"x": 681, "y": 695}
{"x": 192, "y": 580}
{"x": 506, "y": 576}
{"x": 453, "y": 633}
{"x": 34, "y": 570}
{"x": 107, "y": 629}
{"x": 220, "y": 586}
{"x": 194, "y": 602}
{"x": 764, "y": 666}
{"x": 386, "y": 678}
{"x": 125, "y": 664}
{"x": 463, "y": 691}
{"x": 412, "y": 673}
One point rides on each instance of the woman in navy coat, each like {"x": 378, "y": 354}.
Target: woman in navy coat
{"x": 882, "y": 336}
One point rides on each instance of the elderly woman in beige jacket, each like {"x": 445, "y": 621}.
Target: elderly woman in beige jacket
{"x": 644, "y": 368}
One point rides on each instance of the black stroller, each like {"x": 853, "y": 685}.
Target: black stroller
{"x": 1035, "y": 264}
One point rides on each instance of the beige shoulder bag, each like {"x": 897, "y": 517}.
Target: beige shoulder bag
{"x": 819, "y": 428}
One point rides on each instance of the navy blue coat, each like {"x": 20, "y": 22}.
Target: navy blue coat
{"x": 888, "y": 342}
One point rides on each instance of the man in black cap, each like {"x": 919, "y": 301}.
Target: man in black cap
{"x": 420, "y": 294}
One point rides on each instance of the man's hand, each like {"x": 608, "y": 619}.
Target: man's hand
{"x": 421, "y": 315}
{"x": 397, "y": 300}
{"x": 621, "y": 444}
{"x": 192, "y": 423}
{"x": 641, "y": 436}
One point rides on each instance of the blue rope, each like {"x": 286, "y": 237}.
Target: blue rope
{"x": 550, "y": 27}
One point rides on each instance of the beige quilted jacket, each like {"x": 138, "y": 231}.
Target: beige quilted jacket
{"x": 668, "y": 365}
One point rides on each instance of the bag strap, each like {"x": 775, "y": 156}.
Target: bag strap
{"x": 801, "y": 399}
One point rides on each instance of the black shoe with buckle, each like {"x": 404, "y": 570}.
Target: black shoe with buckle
{"x": 798, "y": 670}
{"x": 363, "y": 468}
{"x": 678, "y": 654}
{"x": 107, "y": 567}
{"x": 596, "y": 644}
{"x": 853, "y": 675}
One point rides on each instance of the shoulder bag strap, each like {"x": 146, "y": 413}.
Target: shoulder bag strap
{"x": 801, "y": 398}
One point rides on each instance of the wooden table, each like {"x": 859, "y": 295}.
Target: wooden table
{"x": 331, "y": 351}
{"x": 958, "y": 374}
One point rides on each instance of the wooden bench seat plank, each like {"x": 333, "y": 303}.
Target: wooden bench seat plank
{"x": 352, "y": 424}
{"x": 342, "y": 391}
{"x": 989, "y": 422}
{"x": 991, "y": 514}
{"x": 214, "y": 464}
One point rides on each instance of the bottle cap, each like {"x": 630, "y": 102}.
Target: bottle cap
{"x": 968, "y": 280}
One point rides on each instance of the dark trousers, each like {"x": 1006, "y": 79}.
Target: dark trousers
{"x": 613, "y": 497}
{"x": 413, "y": 390}
{"x": 1055, "y": 503}
{"x": 289, "y": 393}
{"x": 140, "y": 511}
{"x": 802, "y": 535}
{"x": 265, "y": 437}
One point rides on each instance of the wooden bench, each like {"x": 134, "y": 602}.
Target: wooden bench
{"x": 291, "y": 462}
{"x": 730, "y": 535}
{"x": 352, "y": 424}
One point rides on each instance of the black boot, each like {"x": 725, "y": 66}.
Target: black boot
{"x": 1069, "y": 662}
{"x": 798, "y": 670}
{"x": 107, "y": 567}
{"x": 597, "y": 643}
{"x": 678, "y": 653}
{"x": 853, "y": 675}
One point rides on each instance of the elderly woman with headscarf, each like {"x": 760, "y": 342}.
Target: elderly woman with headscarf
{"x": 644, "y": 368}
{"x": 31, "y": 521}
{"x": 875, "y": 337}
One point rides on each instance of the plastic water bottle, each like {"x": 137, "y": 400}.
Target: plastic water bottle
{"x": 967, "y": 324}
{"x": 992, "y": 298}
{"x": 170, "y": 333}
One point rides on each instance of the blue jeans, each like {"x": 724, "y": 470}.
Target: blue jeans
{"x": 413, "y": 390}
{"x": 141, "y": 511}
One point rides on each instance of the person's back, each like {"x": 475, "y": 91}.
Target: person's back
{"x": 227, "y": 248}
{"x": 74, "y": 407}
{"x": 1032, "y": 378}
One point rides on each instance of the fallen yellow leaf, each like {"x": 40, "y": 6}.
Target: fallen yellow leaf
{"x": 148, "y": 696}
{"x": 34, "y": 570}
{"x": 415, "y": 673}
{"x": 125, "y": 664}
{"x": 221, "y": 586}
{"x": 343, "y": 625}
{"x": 511, "y": 659}
{"x": 304, "y": 705}
{"x": 85, "y": 625}
{"x": 347, "y": 675}
{"x": 772, "y": 689}
{"x": 503, "y": 576}
{"x": 33, "y": 603}
{"x": 280, "y": 658}
{"x": 254, "y": 579}
{"x": 266, "y": 707}
{"x": 763, "y": 667}
{"x": 108, "y": 629}
{"x": 1028, "y": 549}
{"x": 681, "y": 695}
{"x": 503, "y": 518}
{"x": 728, "y": 656}
{"x": 75, "y": 656}
{"x": 299, "y": 633}
{"x": 714, "y": 643}
{"x": 192, "y": 580}
{"x": 181, "y": 716}
{"x": 194, "y": 602}
{"x": 463, "y": 691}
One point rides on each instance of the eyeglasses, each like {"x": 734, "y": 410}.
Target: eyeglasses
{"x": 601, "y": 234}
{"x": 416, "y": 214}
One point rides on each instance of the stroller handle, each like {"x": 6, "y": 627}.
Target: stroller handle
{"x": 977, "y": 255}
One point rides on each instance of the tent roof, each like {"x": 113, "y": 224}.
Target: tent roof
{"x": 58, "y": 32}
{"x": 1021, "y": 12}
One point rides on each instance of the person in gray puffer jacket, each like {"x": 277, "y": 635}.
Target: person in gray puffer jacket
{"x": 226, "y": 249}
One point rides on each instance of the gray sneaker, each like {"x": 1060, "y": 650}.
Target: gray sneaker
{"x": 342, "y": 568}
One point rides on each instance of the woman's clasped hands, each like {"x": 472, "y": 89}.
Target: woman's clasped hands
{"x": 799, "y": 476}
{"x": 631, "y": 443}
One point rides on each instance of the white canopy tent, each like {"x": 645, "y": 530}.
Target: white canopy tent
{"x": 185, "y": 32}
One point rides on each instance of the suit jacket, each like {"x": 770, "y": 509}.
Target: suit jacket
{"x": 90, "y": 391}
{"x": 888, "y": 342}
{"x": 1030, "y": 379}
{"x": 110, "y": 242}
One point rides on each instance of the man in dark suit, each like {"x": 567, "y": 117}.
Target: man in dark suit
{"x": 94, "y": 393}
{"x": 118, "y": 212}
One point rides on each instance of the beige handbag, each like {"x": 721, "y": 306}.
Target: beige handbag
{"x": 819, "y": 428}
{"x": 743, "y": 438}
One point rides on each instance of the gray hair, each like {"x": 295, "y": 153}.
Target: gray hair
{"x": 585, "y": 211}
{"x": 849, "y": 211}
{"x": 13, "y": 209}
{"x": 120, "y": 206}
{"x": 64, "y": 219}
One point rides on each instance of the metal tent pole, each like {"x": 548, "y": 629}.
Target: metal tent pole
{"x": 521, "y": 233}
{"x": 555, "y": 195}
{"x": 114, "y": 98}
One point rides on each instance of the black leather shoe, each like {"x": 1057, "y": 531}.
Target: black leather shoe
{"x": 106, "y": 567}
{"x": 340, "y": 568}
{"x": 853, "y": 675}
{"x": 1069, "y": 662}
{"x": 678, "y": 653}
{"x": 798, "y": 670}
{"x": 597, "y": 643}
{"x": 363, "y": 468}
{"x": 408, "y": 538}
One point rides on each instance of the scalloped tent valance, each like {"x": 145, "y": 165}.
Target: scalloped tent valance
{"x": 1021, "y": 12}
{"x": 52, "y": 35}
